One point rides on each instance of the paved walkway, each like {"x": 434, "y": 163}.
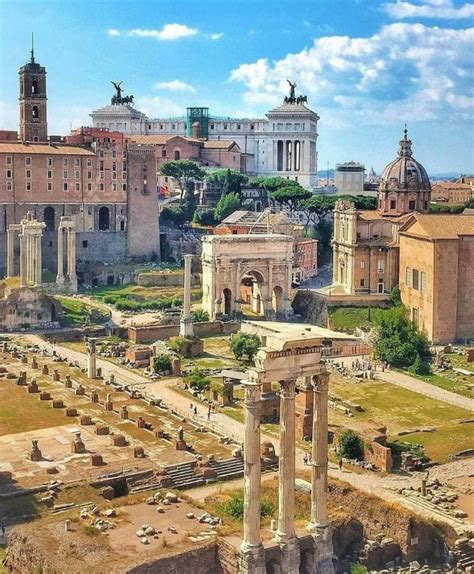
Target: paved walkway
{"x": 383, "y": 486}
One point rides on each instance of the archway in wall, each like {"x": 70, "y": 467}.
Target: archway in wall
{"x": 227, "y": 302}
{"x": 306, "y": 562}
{"x": 252, "y": 294}
{"x": 104, "y": 219}
{"x": 273, "y": 567}
{"x": 49, "y": 218}
{"x": 278, "y": 300}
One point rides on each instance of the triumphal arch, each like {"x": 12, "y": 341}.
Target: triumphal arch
{"x": 247, "y": 271}
{"x": 284, "y": 358}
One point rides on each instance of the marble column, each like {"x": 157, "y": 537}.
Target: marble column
{"x": 252, "y": 554}
{"x": 23, "y": 260}
{"x": 71, "y": 258}
{"x": 39, "y": 261}
{"x": 11, "y": 252}
{"x": 60, "y": 274}
{"x": 285, "y": 535}
{"x": 91, "y": 359}
{"x": 186, "y": 323}
{"x": 319, "y": 526}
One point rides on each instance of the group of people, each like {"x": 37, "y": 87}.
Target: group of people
{"x": 211, "y": 409}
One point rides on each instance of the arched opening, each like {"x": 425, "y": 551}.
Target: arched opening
{"x": 279, "y": 155}
{"x": 177, "y": 154}
{"x": 104, "y": 219}
{"x": 306, "y": 563}
{"x": 35, "y": 112}
{"x": 252, "y": 294}
{"x": 278, "y": 300}
{"x": 49, "y": 217}
{"x": 227, "y": 301}
{"x": 34, "y": 87}
{"x": 273, "y": 567}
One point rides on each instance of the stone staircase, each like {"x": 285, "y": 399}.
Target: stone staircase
{"x": 464, "y": 555}
{"x": 228, "y": 468}
{"x": 183, "y": 475}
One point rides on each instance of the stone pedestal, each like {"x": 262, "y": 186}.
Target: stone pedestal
{"x": 35, "y": 454}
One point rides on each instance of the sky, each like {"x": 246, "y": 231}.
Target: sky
{"x": 367, "y": 66}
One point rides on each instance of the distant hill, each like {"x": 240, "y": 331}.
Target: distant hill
{"x": 322, "y": 173}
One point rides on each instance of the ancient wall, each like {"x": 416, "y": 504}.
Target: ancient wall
{"x": 465, "y": 308}
{"x": 195, "y": 561}
{"x": 149, "y": 334}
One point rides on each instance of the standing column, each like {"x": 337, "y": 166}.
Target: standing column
{"x": 236, "y": 294}
{"x": 71, "y": 258}
{"x": 318, "y": 525}
{"x": 186, "y": 323}
{"x": 39, "y": 261}
{"x": 60, "y": 274}
{"x": 10, "y": 253}
{"x": 23, "y": 260}
{"x": 252, "y": 554}
{"x": 285, "y": 535}
{"x": 92, "y": 359}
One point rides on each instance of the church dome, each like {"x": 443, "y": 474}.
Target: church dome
{"x": 405, "y": 173}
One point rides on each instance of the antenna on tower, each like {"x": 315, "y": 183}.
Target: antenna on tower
{"x": 32, "y": 52}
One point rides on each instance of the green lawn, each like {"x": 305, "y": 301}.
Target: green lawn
{"x": 352, "y": 317}
{"x": 75, "y": 311}
{"x": 455, "y": 384}
{"x": 400, "y": 409}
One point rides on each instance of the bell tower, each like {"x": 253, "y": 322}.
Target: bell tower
{"x": 33, "y": 101}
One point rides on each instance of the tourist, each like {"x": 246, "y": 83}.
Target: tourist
{"x": 209, "y": 413}
{"x": 195, "y": 411}
{"x": 340, "y": 464}
{"x": 305, "y": 458}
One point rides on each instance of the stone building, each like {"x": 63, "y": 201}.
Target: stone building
{"x": 452, "y": 192}
{"x": 366, "y": 242}
{"x": 282, "y": 144}
{"x": 437, "y": 275}
{"x": 106, "y": 184}
{"x": 349, "y": 178}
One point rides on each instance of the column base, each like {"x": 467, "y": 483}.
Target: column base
{"x": 251, "y": 559}
{"x": 323, "y": 552}
{"x": 290, "y": 553}
{"x": 60, "y": 279}
{"x": 186, "y": 327}
{"x": 73, "y": 283}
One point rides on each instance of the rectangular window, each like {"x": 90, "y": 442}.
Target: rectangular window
{"x": 9, "y": 186}
{"x": 65, "y": 186}
{"x": 114, "y": 166}
{"x": 362, "y": 264}
{"x": 89, "y": 163}
{"x": 64, "y": 160}
{"x": 408, "y": 277}
{"x": 393, "y": 204}
{"x": 27, "y": 160}
{"x": 84, "y": 243}
{"x": 89, "y": 187}
{"x": 411, "y": 205}
{"x": 89, "y": 175}
{"x": 65, "y": 174}
{"x": 124, "y": 175}
{"x": 77, "y": 161}
{"x": 9, "y": 173}
{"x": 423, "y": 282}
{"x": 114, "y": 153}
{"x": 101, "y": 187}
{"x": 28, "y": 174}
{"x": 50, "y": 174}
{"x": 114, "y": 187}
{"x": 101, "y": 175}
{"x": 50, "y": 186}
{"x": 416, "y": 284}
{"x": 114, "y": 175}
{"x": 28, "y": 186}
{"x": 101, "y": 165}
{"x": 77, "y": 175}
{"x": 78, "y": 187}
{"x": 124, "y": 187}
{"x": 381, "y": 266}
{"x": 362, "y": 282}
{"x": 8, "y": 160}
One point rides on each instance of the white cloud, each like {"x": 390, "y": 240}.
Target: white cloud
{"x": 175, "y": 86}
{"x": 215, "y": 36}
{"x": 443, "y": 9}
{"x": 402, "y": 72}
{"x": 168, "y": 32}
{"x": 113, "y": 32}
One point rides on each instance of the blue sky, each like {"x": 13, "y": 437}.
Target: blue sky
{"x": 367, "y": 66}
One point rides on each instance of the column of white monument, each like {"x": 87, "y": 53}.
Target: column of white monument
{"x": 252, "y": 555}
{"x": 285, "y": 535}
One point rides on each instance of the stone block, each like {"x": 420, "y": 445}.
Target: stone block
{"x": 118, "y": 440}
{"x": 44, "y": 396}
{"x": 94, "y": 396}
{"x": 97, "y": 460}
{"x": 159, "y": 434}
{"x": 80, "y": 391}
{"x": 33, "y": 387}
{"x": 138, "y": 452}
{"x": 107, "y": 492}
{"x": 58, "y": 404}
{"x": 102, "y": 430}
{"x": 141, "y": 424}
{"x": 85, "y": 420}
{"x": 45, "y": 370}
{"x": 71, "y": 412}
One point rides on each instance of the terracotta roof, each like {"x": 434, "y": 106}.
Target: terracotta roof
{"x": 373, "y": 214}
{"x": 439, "y": 226}
{"x": 219, "y": 144}
{"x": 159, "y": 139}
{"x": 46, "y": 149}
{"x": 450, "y": 185}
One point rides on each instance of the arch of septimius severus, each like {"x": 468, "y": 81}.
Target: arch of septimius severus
{"x": 284, "y": 359}
{"x": 266, "y": 259}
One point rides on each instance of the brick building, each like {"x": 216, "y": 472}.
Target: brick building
{"x": 452, "y": 192}
{"x": 437, "y": 275}
{"x": 106, "y": 183}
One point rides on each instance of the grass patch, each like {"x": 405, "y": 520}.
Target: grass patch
{"x": 400, "y": 409}
{"x": 349, "y": 318}
{"x": 455, "y": 386}
{"x": 76, "y": 311}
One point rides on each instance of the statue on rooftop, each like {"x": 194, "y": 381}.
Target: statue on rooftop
{"x": 292, "y": 89}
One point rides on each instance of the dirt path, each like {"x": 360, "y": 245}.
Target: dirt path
{"x": 383, "y": 486}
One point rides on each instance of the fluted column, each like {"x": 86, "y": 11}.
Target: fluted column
{"x": 60, "y": 274}
{"x": 11, "y": 253}
{"x": 71, "y": 258}
{"x": 285, "y": 535}
{"x": 252, "y": 555}
{"x": 23, "y": 260}
{"x": 39, "y": 261}
{"x": 186, "y": 323}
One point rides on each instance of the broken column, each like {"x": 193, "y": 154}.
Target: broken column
{"x": 318, "y": 525}
{"x": 109, "y": 406}
{"x": 285, "y": 535}
{"x": 252, "y": 554}
{"x": 186, "y": 323}
{"x": 78, "y": 446}
{"x": 35, "y": 453}
{"x": 67, "y": 234}
{"x": 181, "y": 443}
{"x": 124, "y": 413}
{"x": 13, "y": 229}
{"x": 91, "y": 359}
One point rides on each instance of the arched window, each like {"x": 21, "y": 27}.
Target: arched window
{"x": 49, "y": 218}
{"x": 177, "y": 154}
{"x": 35, "y": 112}
{"x": 34, "y": 87}
{"x": 104, "y": 219}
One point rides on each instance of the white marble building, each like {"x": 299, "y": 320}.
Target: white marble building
{"x": 282, "y": 144}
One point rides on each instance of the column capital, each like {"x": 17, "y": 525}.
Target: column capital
{"x": 288, "y": 388}
{"x": 252, "y": 396}
{"x": 321, "y": 381}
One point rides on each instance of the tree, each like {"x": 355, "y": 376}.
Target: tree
{"x": 317, "y": 207}
{"x": 322, "y": 231}
{"x": 399, "y": 342}
{"x": 197, "y": 380}
{"x": 174, "y": 215}
{"x": 228, "y": 181}
{"x": 205, "y": 217}
{"x": 162, "y": 364}
{"x": 226, "y": 205}
{"x": 243, "y": 345}
{"x": 291, "y": 196}
{"x": 351, "y": 445}
{"x": 185, "y": 172}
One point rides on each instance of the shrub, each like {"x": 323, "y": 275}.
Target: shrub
{"x": 197, "y": 380}
{"x": 162, "y": 363}
{"x": 243, "y": 345}
{"x": 234, "y": 507}
{"x": 176, "y": 302}
{"x": 200, "y": 316}
{"x": 205, "y": 217}
{"x": 226, "y": 205}
{"x": 395, "y": 296}
{"x": 174, "y": 215}
{"x": 419, "y": 367}
{"x": 111, "y": 299}
{"x": 351, "y": 445}
{"x": 176, "y": 344}
{"x": 90, "y": 530}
